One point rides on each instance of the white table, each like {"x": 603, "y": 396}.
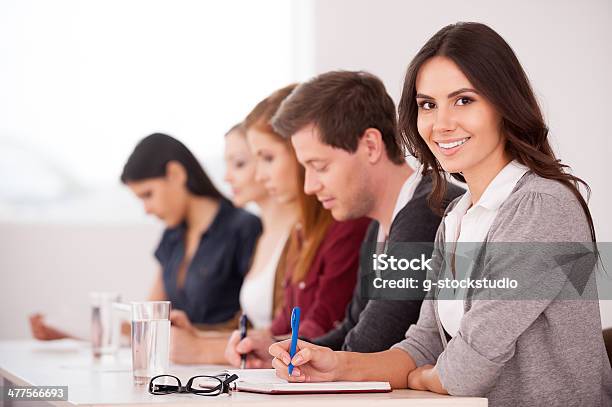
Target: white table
{"x": 108, "y": 382}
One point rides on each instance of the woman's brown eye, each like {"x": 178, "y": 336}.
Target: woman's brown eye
{"x": 464, "y": 101}
{"x": 427, "y": 105}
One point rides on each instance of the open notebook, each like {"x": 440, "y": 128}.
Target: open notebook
{"x": 265, "y": 381}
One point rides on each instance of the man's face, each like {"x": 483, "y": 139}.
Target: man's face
{"x": 337, "y": 177}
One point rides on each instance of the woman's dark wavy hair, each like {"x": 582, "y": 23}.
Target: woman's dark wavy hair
{"x": 493, "y": 69}
{"x": 154, "y": 152}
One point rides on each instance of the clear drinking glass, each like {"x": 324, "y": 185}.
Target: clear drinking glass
{"x": 104, "y": 330}
{"x": 150, "y": 339}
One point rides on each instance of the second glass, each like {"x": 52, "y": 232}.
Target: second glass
{"x": 150, "y": 339}
{"x": 104, "y": 331}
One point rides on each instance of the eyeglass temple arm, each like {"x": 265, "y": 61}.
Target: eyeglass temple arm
{"x": 229, "y": 380}
{"x": 166, "y": 387}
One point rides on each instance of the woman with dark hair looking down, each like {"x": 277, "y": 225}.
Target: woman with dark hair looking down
{"x": 206, "y": 249}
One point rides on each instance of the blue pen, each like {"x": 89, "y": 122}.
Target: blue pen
{"x": 295, "y": 327}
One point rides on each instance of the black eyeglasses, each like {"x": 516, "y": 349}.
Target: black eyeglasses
{"x": 200, "y": 385}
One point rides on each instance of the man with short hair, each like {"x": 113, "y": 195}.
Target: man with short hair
{"x": 343, "y": 127}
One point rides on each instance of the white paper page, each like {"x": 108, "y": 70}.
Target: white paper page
{"x": 266, "y": 379}
{"x": 259, "y": 376}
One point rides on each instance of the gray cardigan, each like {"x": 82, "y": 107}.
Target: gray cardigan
{"x": 521, "y": 352}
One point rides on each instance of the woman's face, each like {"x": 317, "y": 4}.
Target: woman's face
{"x": 240, "y": 170}
{"x": 277, "y": 168}
{"x": 164, "y": 197}
{"x": 461, "y": 127}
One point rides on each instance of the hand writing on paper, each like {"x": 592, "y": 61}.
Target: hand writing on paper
{"x": 256, "y": 345}
{"x": 311, "y": 363}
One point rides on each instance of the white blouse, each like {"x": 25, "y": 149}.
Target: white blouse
{"x": 467, "y": 223}
{"x": 257, "y": 292}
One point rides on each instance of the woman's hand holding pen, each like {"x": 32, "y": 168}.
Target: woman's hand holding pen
{"x": 311, "y": 363}
{"x": 256, "y": 345}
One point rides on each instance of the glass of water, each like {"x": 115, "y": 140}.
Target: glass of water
{"x": 104, "y": 330}
{"x": 150, "y": 339}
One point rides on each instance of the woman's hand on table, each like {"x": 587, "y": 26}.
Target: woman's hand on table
{"x": 426, "y": 378}
{"x": 44, "y": 332}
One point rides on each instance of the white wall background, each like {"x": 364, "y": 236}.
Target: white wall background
{"x": 81, "y": 82}
{"x": 84, "y": 80}
{"x": 52, "y": 252}
{"x": 51, "y": 268}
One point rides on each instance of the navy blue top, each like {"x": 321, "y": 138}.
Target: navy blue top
{"x": 211, "y": 290}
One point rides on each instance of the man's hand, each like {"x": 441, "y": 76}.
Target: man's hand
{"x": 311, "y": 363}
{"x": 255, "y": 346}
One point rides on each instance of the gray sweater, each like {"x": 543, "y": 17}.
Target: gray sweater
{"x": 517, "y": 352}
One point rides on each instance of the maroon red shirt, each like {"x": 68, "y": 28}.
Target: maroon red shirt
{"x": 329, "y": 284}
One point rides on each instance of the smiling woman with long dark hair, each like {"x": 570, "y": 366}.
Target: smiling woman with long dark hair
{"x": 467, "y": 109}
